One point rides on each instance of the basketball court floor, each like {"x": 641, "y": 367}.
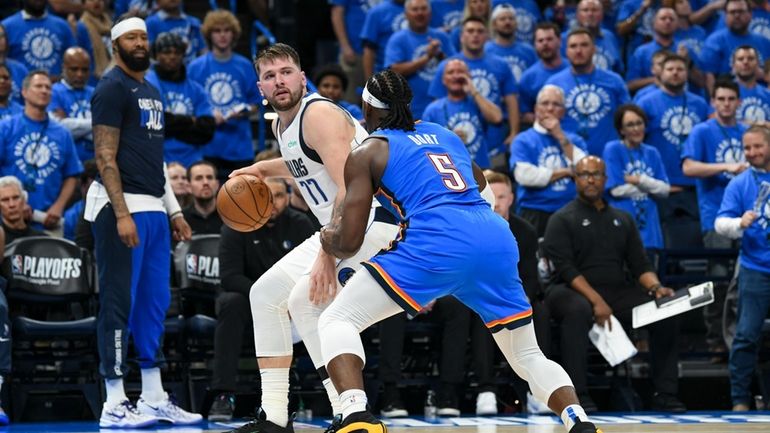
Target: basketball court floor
{"x": 703, "y": 422}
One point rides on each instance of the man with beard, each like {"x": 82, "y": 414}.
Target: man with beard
{"x": 594, "y": 249}
{"x": 518, "y": 55}
{"x": 755, "y": 99}
{"x": 8, "y": 107}
{"x": 202, "y": 214}
{"x": 590, "y": 14}
{"x": 189, "y": 123}
{"x": 720, "y": 45}
{"x": 71, "y": 101}
{"x": 673, "y": 112}
{"x": 130, "y": 206}
{"x": 37, "y": 39}
{"x": 640, "y": 62}
{"x": 548, "y": 49}
{"x": 243, "y": 258}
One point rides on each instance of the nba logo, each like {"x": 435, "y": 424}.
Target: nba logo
{"x": 16, "y": 264}
{"x": 192, "y": 263}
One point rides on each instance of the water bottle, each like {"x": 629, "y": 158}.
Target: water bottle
{"x": 759, "y": 402}
{"x": 431, "y": 411}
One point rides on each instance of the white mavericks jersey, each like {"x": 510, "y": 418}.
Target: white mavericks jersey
{"x": 305, "y": 165}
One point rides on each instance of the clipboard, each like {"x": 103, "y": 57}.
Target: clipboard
{"x": 683, "y": 301}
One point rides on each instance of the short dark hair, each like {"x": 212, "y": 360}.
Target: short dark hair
{"x": 547, "y": 25}
{"x": 275, "y": 52}
{"x": 674, "y": 57}
{"x": 331, "y": 69}
{"x": 726, "y": 83}
{"x": 198, "y": 164}
{"x": 743, "y": 47}
{"x": 748, "y": 3}
{"x": 580, "y": 31}
{"x": 622, "y": 110}
{"x": 31, "y": 74}
{"x": 475, "y": 20}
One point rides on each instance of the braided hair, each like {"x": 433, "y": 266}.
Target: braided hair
{"x": 392, "y": 89}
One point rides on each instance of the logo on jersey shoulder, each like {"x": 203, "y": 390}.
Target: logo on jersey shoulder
{"x": 588, "y": 104}
{"x": 486, "y": 83}
{"x": 150, "y": 113}
{"x": 729, "y": 151}
{"x": 223, "y": 90}
{"x": 297, "y": 167}
{"x": 753, "y": 109}
{"x": 344, "y": 275}
{"x": 552, "y": 157}
{"x": 37, "y": 156}
{"x": 677, "y": 123}
{"x": 40, "y": 47}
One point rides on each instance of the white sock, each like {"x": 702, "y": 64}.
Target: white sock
{"x": 275, "y": 395}
{"x": 152, "y": 385}
{"x": 352, "y": 401}
{"x": 334, "y": 398}
{"x": 115, "y": 392}
{"x": 572, "y": 415}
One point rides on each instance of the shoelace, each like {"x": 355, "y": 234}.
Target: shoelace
{"x": 130, "y": 407}
{"x": 335, "y": 425}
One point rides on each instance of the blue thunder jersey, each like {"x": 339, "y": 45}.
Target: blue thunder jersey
{"x": 711, "y": 143}
{"x": 750, "y": 190}
{"x": 38, "y": 43}
{"x": 76, "y": 103}
{"x": 448, "y": 231}
{"x": 135, "y": 108}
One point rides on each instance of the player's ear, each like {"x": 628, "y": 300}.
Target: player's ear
{"x": 304, "y": 78}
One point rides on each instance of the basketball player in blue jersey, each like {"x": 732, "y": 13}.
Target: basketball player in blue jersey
{"x": 423, "y": 173}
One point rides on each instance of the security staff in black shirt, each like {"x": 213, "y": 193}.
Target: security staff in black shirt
{"x": 593, "y": 247}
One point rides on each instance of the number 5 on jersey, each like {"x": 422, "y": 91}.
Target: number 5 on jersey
{"x": 449, "y": 174}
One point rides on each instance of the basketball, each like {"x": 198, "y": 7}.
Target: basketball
{"x": 244, "y": 203}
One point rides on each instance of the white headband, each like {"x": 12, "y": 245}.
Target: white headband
{"x": 126, "y": 26}
{"x": 371, "y": 100}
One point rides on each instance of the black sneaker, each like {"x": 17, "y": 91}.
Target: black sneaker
{"x": 663, "y": 402}
{"x": 222, "y": 408}
{"x": 392, "y": 405}
{"x": 362, "y": 422}
{"x": 262, "y": 425}
{"x": 584, "y": 427}
{"x": 447, "y": 400}
{"x": 335, "y": 425}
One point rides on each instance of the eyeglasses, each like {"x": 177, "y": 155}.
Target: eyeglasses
{"x": 550, "y": 104}
{"x": 631, "y": 125}
{"x": 585, "y": 175}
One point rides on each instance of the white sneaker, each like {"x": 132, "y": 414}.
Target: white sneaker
{"x": 124, "y": 415}
{"x": 535, "y": 406}
{"x": 166, "y": 410}
{"x": 486, "y": 403}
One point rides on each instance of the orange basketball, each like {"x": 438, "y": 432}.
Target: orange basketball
{"x": 244, "y": 203}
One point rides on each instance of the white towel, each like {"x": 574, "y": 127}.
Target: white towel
{"x": 614, "y": 345}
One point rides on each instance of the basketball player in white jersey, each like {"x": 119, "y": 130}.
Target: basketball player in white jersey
{"x": 315, "y": 137}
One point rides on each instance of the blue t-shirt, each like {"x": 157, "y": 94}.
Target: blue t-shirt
{"x": 640, "y": 62}
{"x": 607, "y": 55}
{"x": 227, "y": 84}
{"x": 76, "y": 103}
{"x": 464, "y": 116}
{"x": 532, "y": 80}
{"x": 38, "y": 43}
{"x": 185, "y": 98}
{"x": 670, "y": 120}
{"x": 123, "y": 6}
{"x": 71, "y": 218}
{"x": 519, "y": 56}
{"x": 355, "y": 15}
{"x": 622, "y": 161}
{"x": 18, "y": 72}
{"x": 711, "y": 142}
{"x": 643, "y": 29}
{"x": 381, "y": 22}
{"x": 590, "y": 102}
{"x": 83, "y": 40}
{"x": 135, "y": 108}
{"x": 189, "y": 28}
{"x": 693, "y": 39}
{"x": 755, "y": 104}
{"x": 527, "y": 16}
{"x": 353, "y": 109}
{"x": 641, "y": 93}
{"x": 407, "y": 46}
{"x": 12, "y": 109}
{"x": 743, "y": 194}
{"x": 446, "y": 15}
{"x": 719, "y": 47}
{"x": 543, "y": 150}
{"x": 759, "y": 25}
{"x": 40, "y": 154}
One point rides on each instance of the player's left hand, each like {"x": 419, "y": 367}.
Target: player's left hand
{"x": 323, "y": 285}
{"x": 180, "y": 230}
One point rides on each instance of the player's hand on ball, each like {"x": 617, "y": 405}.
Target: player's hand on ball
{"x": 253, "y": 169}
{"x": 127, "y": 231}
{"x": 323, "y": 285}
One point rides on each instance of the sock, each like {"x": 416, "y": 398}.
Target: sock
{"x": 334, "y": 398}
{"x": 352, "y": 401}
{"x": 115, "y": 392}
{"x": 275, "y": 395}
{"x": 152, "y": 386}
{"x": 572, "y": 415}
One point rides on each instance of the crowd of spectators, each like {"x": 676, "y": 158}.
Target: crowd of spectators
{"x": 662, "y": 93}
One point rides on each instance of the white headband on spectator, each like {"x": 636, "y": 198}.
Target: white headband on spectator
{"x": 371, "y": 100}
{"x": 128, "y": 25}
{"x": 501, "y": 9}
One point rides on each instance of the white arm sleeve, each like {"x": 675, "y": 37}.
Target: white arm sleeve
{"x": 79, "y": 128}
{"x": 577, "y": 154}
{"x": 530, "y": 175}
{"x": 654, "y": 186}
{"x": 730, "y": 227}
{"x": 169, "y": 199}
{"x": 488, "y": 195}
{"x": 626, "y": 191}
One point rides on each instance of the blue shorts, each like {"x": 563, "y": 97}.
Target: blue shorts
{"x": 469, "y": 253}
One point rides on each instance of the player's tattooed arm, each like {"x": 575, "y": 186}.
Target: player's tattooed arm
{"x": 106, "y": 139}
